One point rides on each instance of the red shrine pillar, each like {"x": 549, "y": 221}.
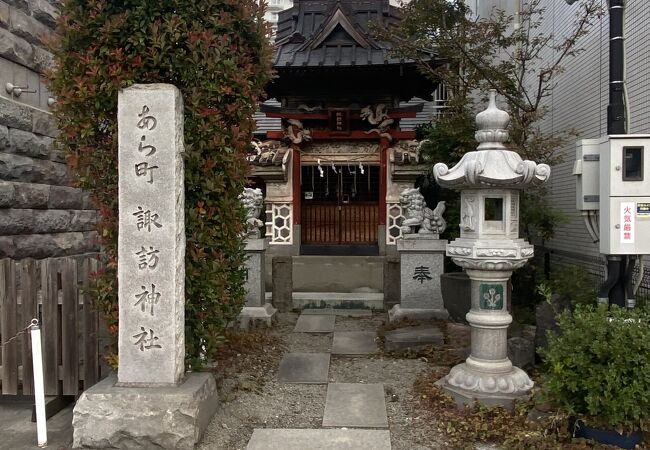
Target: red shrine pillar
{"x": 384, "y": 145}
{"x": 296, "y": 174}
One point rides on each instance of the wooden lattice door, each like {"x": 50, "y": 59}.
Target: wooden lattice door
{"x": 340, "y": 207}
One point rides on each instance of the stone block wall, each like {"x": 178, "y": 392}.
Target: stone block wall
{"x": 41, "y": 213}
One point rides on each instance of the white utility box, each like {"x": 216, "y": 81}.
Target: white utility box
{"x": 587, "y": 171}
{"x": 624, "y": 194}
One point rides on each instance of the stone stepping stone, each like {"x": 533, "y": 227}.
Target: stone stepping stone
{"x": 321, "y": 323}
{"x": 353, "y": 343}
{"x": 304, "y": 368}
{"x": 355, "y": 405}
{"x": 413, "y": 337}
{"x": 330, "y": 439}
{"x": 339, "y": 312}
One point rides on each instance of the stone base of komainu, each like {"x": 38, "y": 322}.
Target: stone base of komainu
{"x": 421, "y": 254}
{"x": 109, "y": 416}
{"x": 421, "y": 263}
{"x": 256, "y": 310}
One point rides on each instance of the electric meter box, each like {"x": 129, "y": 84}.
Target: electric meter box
{"x": 625, "y": 195}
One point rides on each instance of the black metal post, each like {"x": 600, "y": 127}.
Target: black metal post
{"x": 613, "y": 274}
{"x": 616, "y": 122}
{"x": 614, "y": 287}
{"x": 630, "y": 299}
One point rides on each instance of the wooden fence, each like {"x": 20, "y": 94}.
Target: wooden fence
{"x": 53, "y": 290}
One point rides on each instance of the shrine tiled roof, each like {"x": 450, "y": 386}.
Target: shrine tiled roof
{"x": 322, "y": 33}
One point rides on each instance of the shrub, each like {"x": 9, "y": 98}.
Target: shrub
{"x": 575, "y": 283}
{"x": 598, "y": 366}
{"x": 217, "y": 53}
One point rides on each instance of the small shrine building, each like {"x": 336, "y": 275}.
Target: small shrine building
{"x": 332, "y": 176}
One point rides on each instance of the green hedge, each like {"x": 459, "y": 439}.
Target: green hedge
{"x": 217, "y": 53}
{"x": 598, "y": 366}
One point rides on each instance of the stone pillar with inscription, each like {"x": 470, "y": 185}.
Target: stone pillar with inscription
{"x": 489, "y": 249}
{"x": 421, "y": 253}
{"x": 152, "y": 402}
{"x": 256, "y": 308}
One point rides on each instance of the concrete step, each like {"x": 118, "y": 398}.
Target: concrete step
{"x": 335, "y": 302}
{"x": 337, "y": 312}
{"x": 338, "y": 273}
{"x": 338, "y": 300}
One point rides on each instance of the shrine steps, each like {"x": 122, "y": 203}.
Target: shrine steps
{"x": 336, "y": 300}
{"x": 328, "y": 273}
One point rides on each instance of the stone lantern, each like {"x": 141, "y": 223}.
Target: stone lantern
{"x": 489, "y": 249}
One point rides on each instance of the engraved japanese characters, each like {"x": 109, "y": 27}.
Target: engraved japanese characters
{"x": 151, "y": 241}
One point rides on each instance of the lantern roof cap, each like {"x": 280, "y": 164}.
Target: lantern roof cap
{"x": 492, "y": 164}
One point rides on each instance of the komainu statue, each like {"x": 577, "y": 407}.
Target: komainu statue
{"x": 253, "y": 202}
{"x": 418, "y": 218}
{"x": 408, "y": 152}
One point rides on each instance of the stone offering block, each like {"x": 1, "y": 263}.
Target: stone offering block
{"x": 312, "y": 323}
{"x": 413, "y": 337}
{"x": 422, "y": 262}
{"x": 351, "y": 343}
{"x": 304, "y": 368}
{"x": 355, "y": 405}
{"x": 333, "y": 439}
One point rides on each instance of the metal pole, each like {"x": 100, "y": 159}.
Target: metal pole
{"x": 39, "y": 390}
{"x": 616, "y": 123}
{"x": 613, "y": 290}
{"x": 616, "y": 111}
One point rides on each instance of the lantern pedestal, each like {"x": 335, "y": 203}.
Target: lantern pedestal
{"x": 488, "y": 376}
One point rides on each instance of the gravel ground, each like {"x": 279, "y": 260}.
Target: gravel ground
{"x": 257, "y": 400}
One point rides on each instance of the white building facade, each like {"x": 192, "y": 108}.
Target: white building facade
{"x": 579, "y": 101}
{"x": 273, "y": 8}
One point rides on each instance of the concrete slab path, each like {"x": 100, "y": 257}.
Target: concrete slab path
{"x": 304, "y": 368}
{"x": 18, "y": 432}
{"x": 413, "y": 337}
{"x": 353, "y": 343}
{"x": 355, "y": 405}
{"x": 315, "y": 323}
{"x": 331, "y": 439}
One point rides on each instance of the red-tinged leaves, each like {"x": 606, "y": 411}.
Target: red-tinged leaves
{"x": 209, "y": 112}
{"x": 216, "y": 53}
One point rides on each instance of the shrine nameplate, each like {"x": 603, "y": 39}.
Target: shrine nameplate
{"x": 151, "y": 241}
